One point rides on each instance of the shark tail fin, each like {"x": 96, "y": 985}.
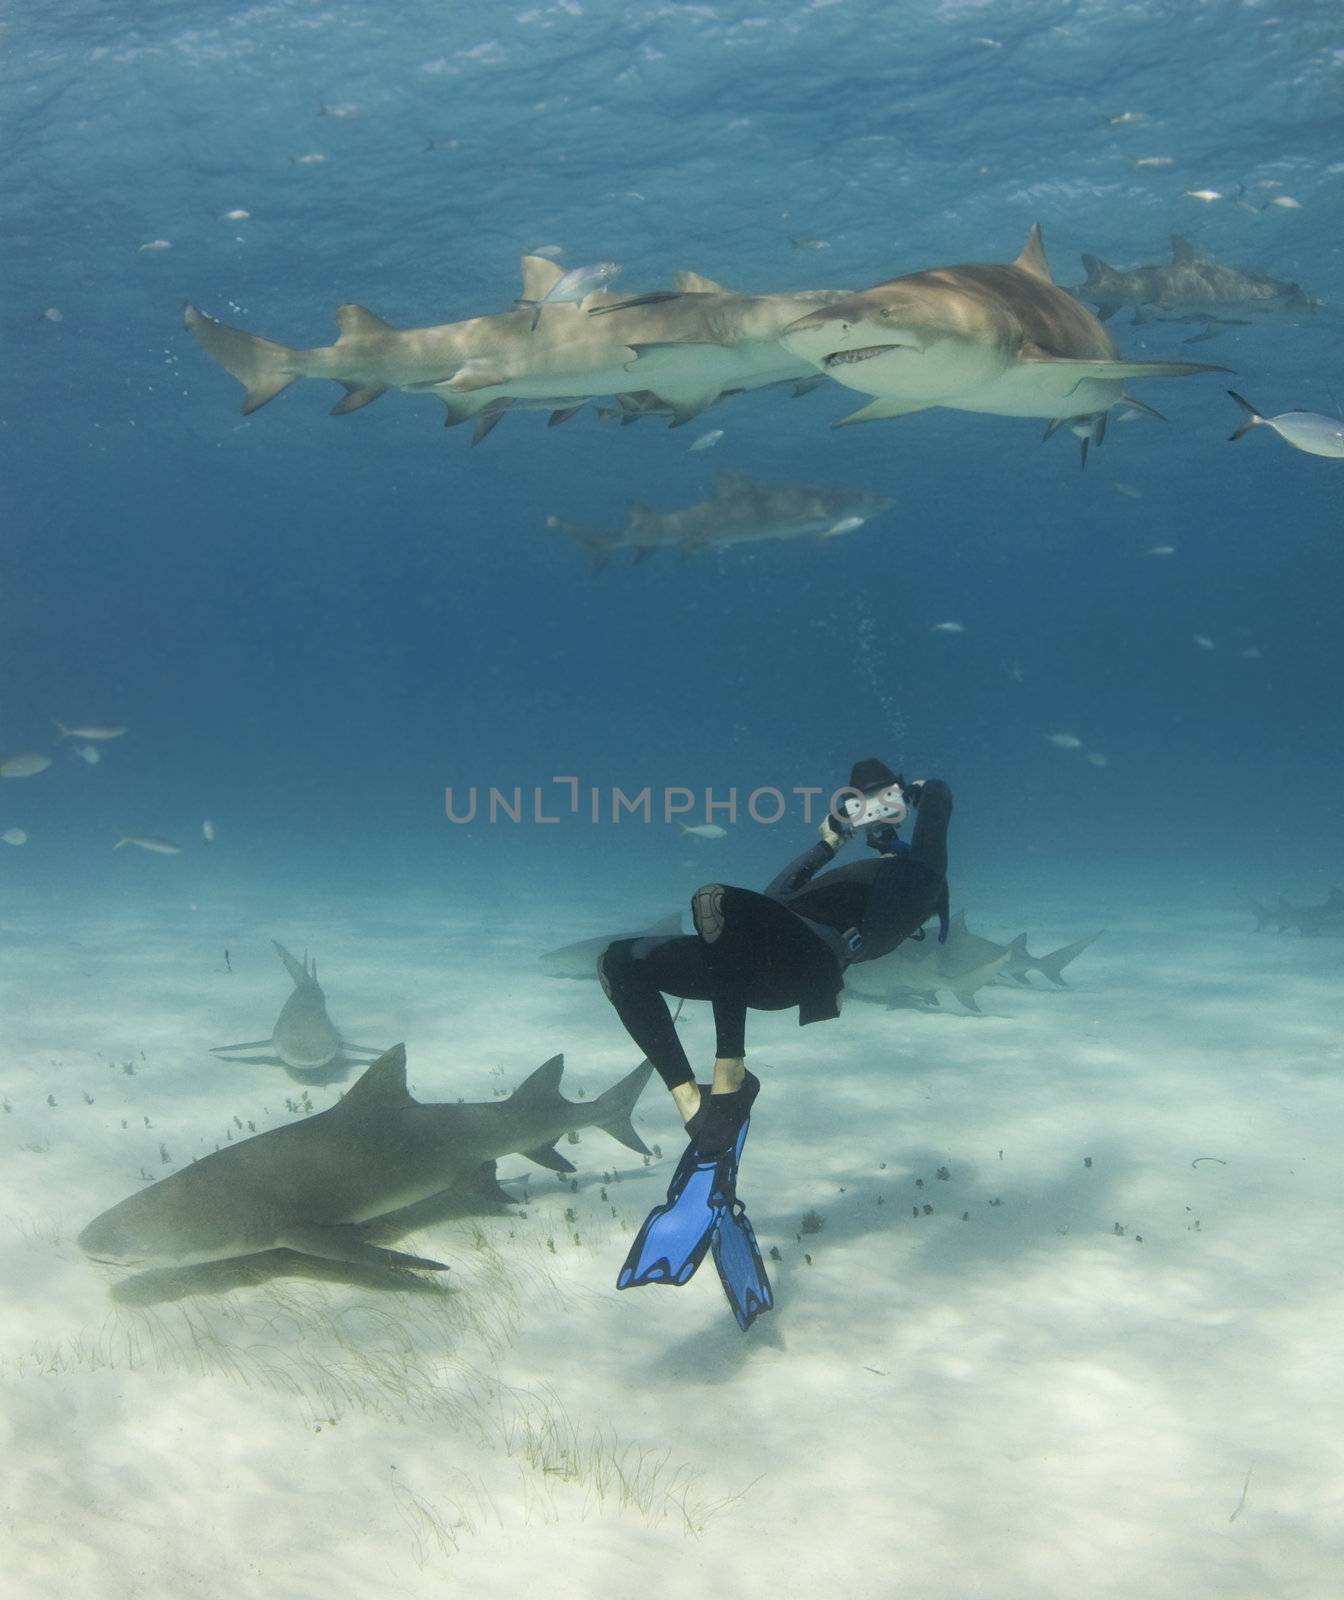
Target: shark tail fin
{"x": 298, "y": 970}
{"x": 1053, "y": 965}
{"x": 1253, "y": 417}
{"x": 611, "y": 1110}
{"x": 594, "y": 543}
{"x": 263, "y": 367}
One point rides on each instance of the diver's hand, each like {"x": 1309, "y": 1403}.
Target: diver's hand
{"x": 912, "y": 790}
{"x": 834, "y": 833}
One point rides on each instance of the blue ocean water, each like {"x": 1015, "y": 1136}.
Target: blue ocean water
{"x": 312, "y": 627}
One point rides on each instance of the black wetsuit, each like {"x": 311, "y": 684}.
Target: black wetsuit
{"x": 786, "y": 947}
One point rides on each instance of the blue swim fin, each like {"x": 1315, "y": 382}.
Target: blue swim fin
{"x": 741, "y": 1269}
{"x": 676, "y": 1235}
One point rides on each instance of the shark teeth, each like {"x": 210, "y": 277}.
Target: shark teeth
{"x": 845, "y": 358}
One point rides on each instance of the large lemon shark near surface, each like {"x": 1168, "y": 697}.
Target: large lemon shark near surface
{"x": 680, "y": 351}
{"x": 1003, "y": 339}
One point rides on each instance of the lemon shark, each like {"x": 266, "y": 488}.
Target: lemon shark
{"x": 919, "y": 969}
{"x": 687, "y": 348}
{"x": 304, "y": 1041}
{"x": 740, "y": 512}
{"x": 1002, "y": 339}
{"x": 318, "y": 1185}
{"x": 1192, "y": 288}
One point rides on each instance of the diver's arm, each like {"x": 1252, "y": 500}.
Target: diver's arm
{"x": 804, "y": 867}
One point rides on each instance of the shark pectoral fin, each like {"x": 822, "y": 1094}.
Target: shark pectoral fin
{"x": 1107, "y": 310}
{"x": 807, "y": 385}
{"x": 563, "y": 414}
{"x": 1121, "y": 370}
{"x": 546, "y": 1155}
{"x": 360, "y": 1049}
{"x": 357, "y": 396}
{"x": 876, "y": 410}
{"x": 247, "y": 1044}
{"x": 346, "y": 1242}
{"x": 263, "y": 367}
{"x": 478, "y": 373}
{"x": 249, "y": 1061}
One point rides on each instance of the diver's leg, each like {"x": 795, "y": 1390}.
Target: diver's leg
{"x": 928, "y": 843}
{"x": 635, "y": 975}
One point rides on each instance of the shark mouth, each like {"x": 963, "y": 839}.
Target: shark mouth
{"x": 846, "y": 358}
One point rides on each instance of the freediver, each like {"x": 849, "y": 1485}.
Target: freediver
{"x": 788, "y": 946}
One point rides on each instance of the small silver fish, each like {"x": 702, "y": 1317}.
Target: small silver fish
{"x": 1204, "y": 642}
{"x": 25, "y": 766}
{"x": 705, "y": 830}
{"x": 86, "y": 752}
{"x": 576, "y": 284}
{"x": 1162, "y": 550}
{"x": 947, "y": 627}
{"x": 14, "y": 836}
{"x": 1097, "y": 759}
{"x": 1304, "y": 430}
{"x": 160, "y": 847}
{"x": 1065, "y": 741}
{"x": 707, "y": 441}
{"x": 90, "y": 731}
{"x": 208, "y": 831}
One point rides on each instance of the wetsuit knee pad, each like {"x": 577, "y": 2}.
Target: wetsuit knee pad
{"x": 707, "y": 911}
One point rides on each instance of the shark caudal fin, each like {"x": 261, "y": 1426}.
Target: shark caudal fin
{"x": 611, "y": 1110}
{"x": 263, "y": 367}
{"x": 1053, "y": 965}
{"x": 1253, "y": 417}
{"x": 594, "y": 543}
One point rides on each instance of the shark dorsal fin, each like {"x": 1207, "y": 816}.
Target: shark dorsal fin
{"x": 543, "y": 1085}
{"x": 1032, "y": 260}
{"x": 382, "y": 1087}
{"x": 698, "y": 283}
{"x": 1183, "y": 252}
{"x": 728, "y": 483}
{"x": 670, "y": 924}
{"x": 540, "y": 276}
{"x": 357, "y": 323}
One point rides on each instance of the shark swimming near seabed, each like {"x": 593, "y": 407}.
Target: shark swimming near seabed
{"x": 1319, "y": 921}
{"x": 304, "y": 1041}
{"x": 740, "y": 512}
{"x": 319, "y": 1185}
{"x": 1002, "y": 339}
{"x": 687, "y": 347}
{"x": 579, "y": 960}
{"x": 1019, "y": 963}
{"x": 1193, "y": 288}
{"x": 916, "y": 970}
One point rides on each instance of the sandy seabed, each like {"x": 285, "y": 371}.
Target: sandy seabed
{"x": 1039, "y": 1346}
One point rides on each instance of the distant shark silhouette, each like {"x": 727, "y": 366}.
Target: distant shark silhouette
{"x": 685, "y": 348}
{"x": 1192, "y": 288}
{"x": 1319, "y": 921}
{"x": 579, "y": 960}
{"x": 740, "y": 512}
{"x": 304, "y": 1041}
{"x": 315, "y": 1186}
{"x": 1003, "y": 339}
